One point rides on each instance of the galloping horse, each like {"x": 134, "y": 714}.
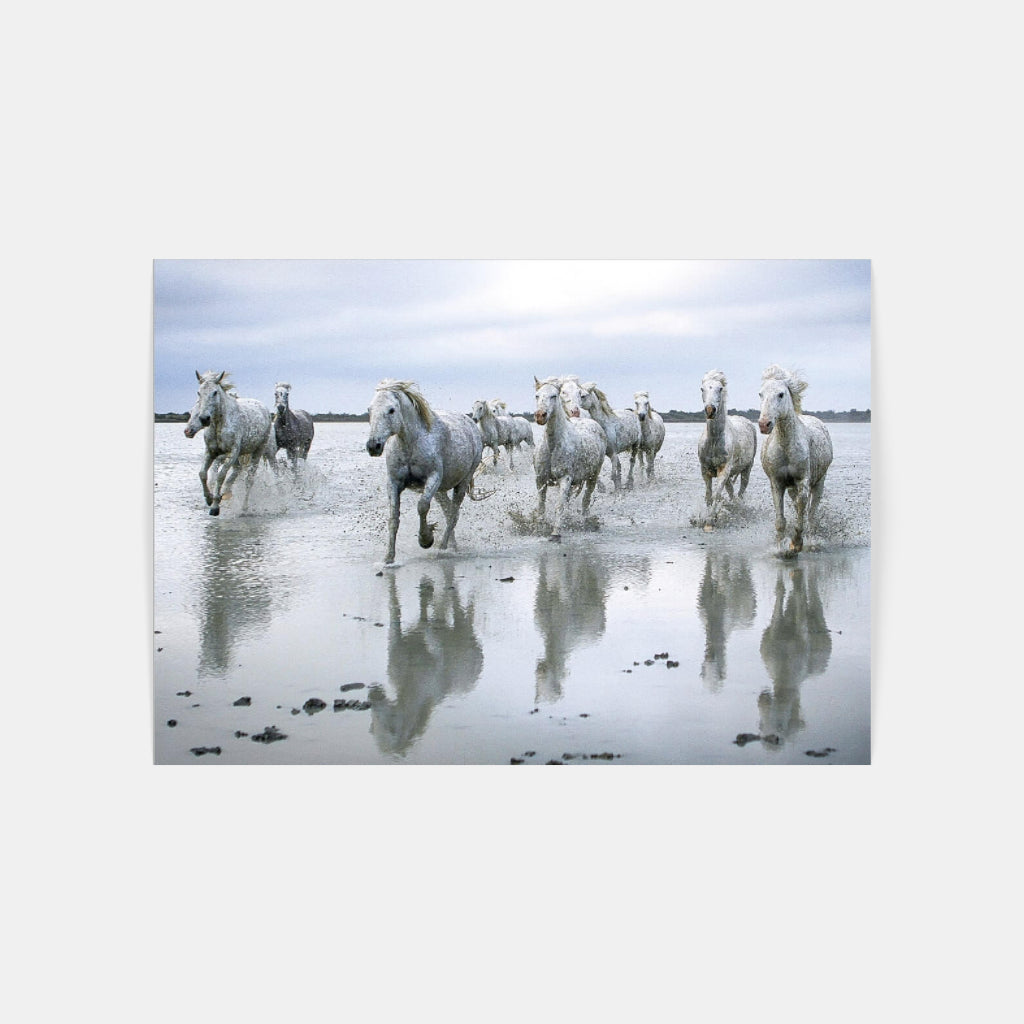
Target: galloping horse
{"x": 495, "y": 431}
{"x": 726, "y": 447}
{"x": 797, "y": 453}
{"x": 652, "y": 431}
{"x": 236, "y": 429}
{"x": 293, "y": 428}
{"x": 522, "y": 432}
{"x": 622, "y": 430}
{"x": 427, "y": 451}
{"x": 570, "y": 453}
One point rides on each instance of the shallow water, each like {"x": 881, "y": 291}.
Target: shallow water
{"x": 640, "y": 638}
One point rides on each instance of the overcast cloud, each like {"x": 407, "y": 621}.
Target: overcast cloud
{"x": 468, "y": 329}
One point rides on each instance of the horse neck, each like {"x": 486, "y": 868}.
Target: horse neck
{"x": 788, "y": 425}
{"x": 413, "y": 426}
{"x": 557, "y": 425}
{"x": 716, "y": 425}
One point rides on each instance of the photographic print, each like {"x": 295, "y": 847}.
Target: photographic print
{"x": 524, "y": 512}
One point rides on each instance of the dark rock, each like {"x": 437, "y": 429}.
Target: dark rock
{"x": 746, "y": 737}
{"x": 671, "y": 664}
{"x": 345, "y": 687}
{"x": 351, "y": 705}
{"x": 269, "y": 735}
{"x": 313, "y": 706}
{"x": 507, "y": 579}
{"x": 515, "y": 760}
{"x": 554, "y": 762}
{"x": 242, "y": 702}
{"x": 183, "y": 693}
{"x": 199, "y": 751}
{"x": 239, "y": 734}
{"x": 820, "y": 753}
{"x": 171, "y": 722}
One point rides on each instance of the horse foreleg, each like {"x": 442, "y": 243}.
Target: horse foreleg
{"x": 430, "y": 486}
{"x": 632, "y": 461}
{"x": 778, "y": 493}
{"x": 744, "y": 480}
{"x": 207, "y": 463}
{"x": 801, "y": 496}
{"x": 616, "y": 471}
{"x": 564, "y": 487}
{"x": 450, "y": 507}
{"x": 225, "y": 478}
{"x": 394, "y": 507}
{"x": 588, "y": 493}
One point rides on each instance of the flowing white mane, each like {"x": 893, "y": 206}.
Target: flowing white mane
{"x": 602, "y": 398}
{"x": 714, "y": 377}
{"x": 411, "y": 391}
{"x": 793, "y": 380}
{"x": 211, "y": 377}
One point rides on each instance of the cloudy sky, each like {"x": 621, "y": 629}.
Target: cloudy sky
{"x": 469, "y": 329}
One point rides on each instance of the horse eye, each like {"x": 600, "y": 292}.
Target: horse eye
{"x": 391, "y": 411}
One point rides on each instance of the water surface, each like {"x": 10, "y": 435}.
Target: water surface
{"x": 640, "y": 639}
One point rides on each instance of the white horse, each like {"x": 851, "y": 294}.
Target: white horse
{"x": 727, "y": 446}
{"x": 522, "y": 432}
{"x": 237, "y": 429}
{"x": 652, "y": 431}
{"x": 571, "y": 390}
{"x": 427, "y": 451}
{"x": 622, "y": 430}
{"x": 293, "y": 428}
{"x": 796, "y": 454}
{"x": 495, "y": 431}
{"x": 570, "y": 452}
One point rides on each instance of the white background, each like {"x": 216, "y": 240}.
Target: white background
{"x": 480, "y": 130}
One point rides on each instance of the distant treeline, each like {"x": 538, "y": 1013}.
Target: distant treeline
{"x": 672, "y": 416}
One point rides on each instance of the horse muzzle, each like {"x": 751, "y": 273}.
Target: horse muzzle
{"x": 190, "y": 431}
{"x": 375, "y": 447}
{"x": 765, "y": 426}
{"x": 709, "y": 411}
{"x": 541, "y": 417}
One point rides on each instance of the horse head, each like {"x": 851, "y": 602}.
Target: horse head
{"x": 480, "y": 410}
{"x": 712, "y": 393}
{"x": 780, "y": 396}
{"x": 571, "y": 392}
{"x": 281, "y": 392}
{"x": 548, "y": 395}
{"x": 209, "y": 399}
{"x": 642, "y": 405}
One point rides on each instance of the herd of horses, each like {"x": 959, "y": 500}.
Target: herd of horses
{"x": 439, "y": 454}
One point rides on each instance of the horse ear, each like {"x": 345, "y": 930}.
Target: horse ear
{"x": 199, "y": 377}
{"x": 221, "y": 377}
{"x": 536, "y": 383}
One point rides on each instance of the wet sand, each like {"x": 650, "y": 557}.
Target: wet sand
{"x": 639, "y": 639}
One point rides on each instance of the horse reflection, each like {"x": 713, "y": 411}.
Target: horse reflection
{"x": 235, "y": 596}
{"x": 725, "y": 601}
{"x": 436, "y": 656}
{"x": 568, "y": 610}
{"x": 795, "y": 645}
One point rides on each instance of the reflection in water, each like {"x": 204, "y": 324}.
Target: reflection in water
{"x": 235, "y": 597}
{"x": 795, "y": 644}
{"x": 439, "y": 654}
{"x": 725, "y": 601}
{"x": 568, "y": 610}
